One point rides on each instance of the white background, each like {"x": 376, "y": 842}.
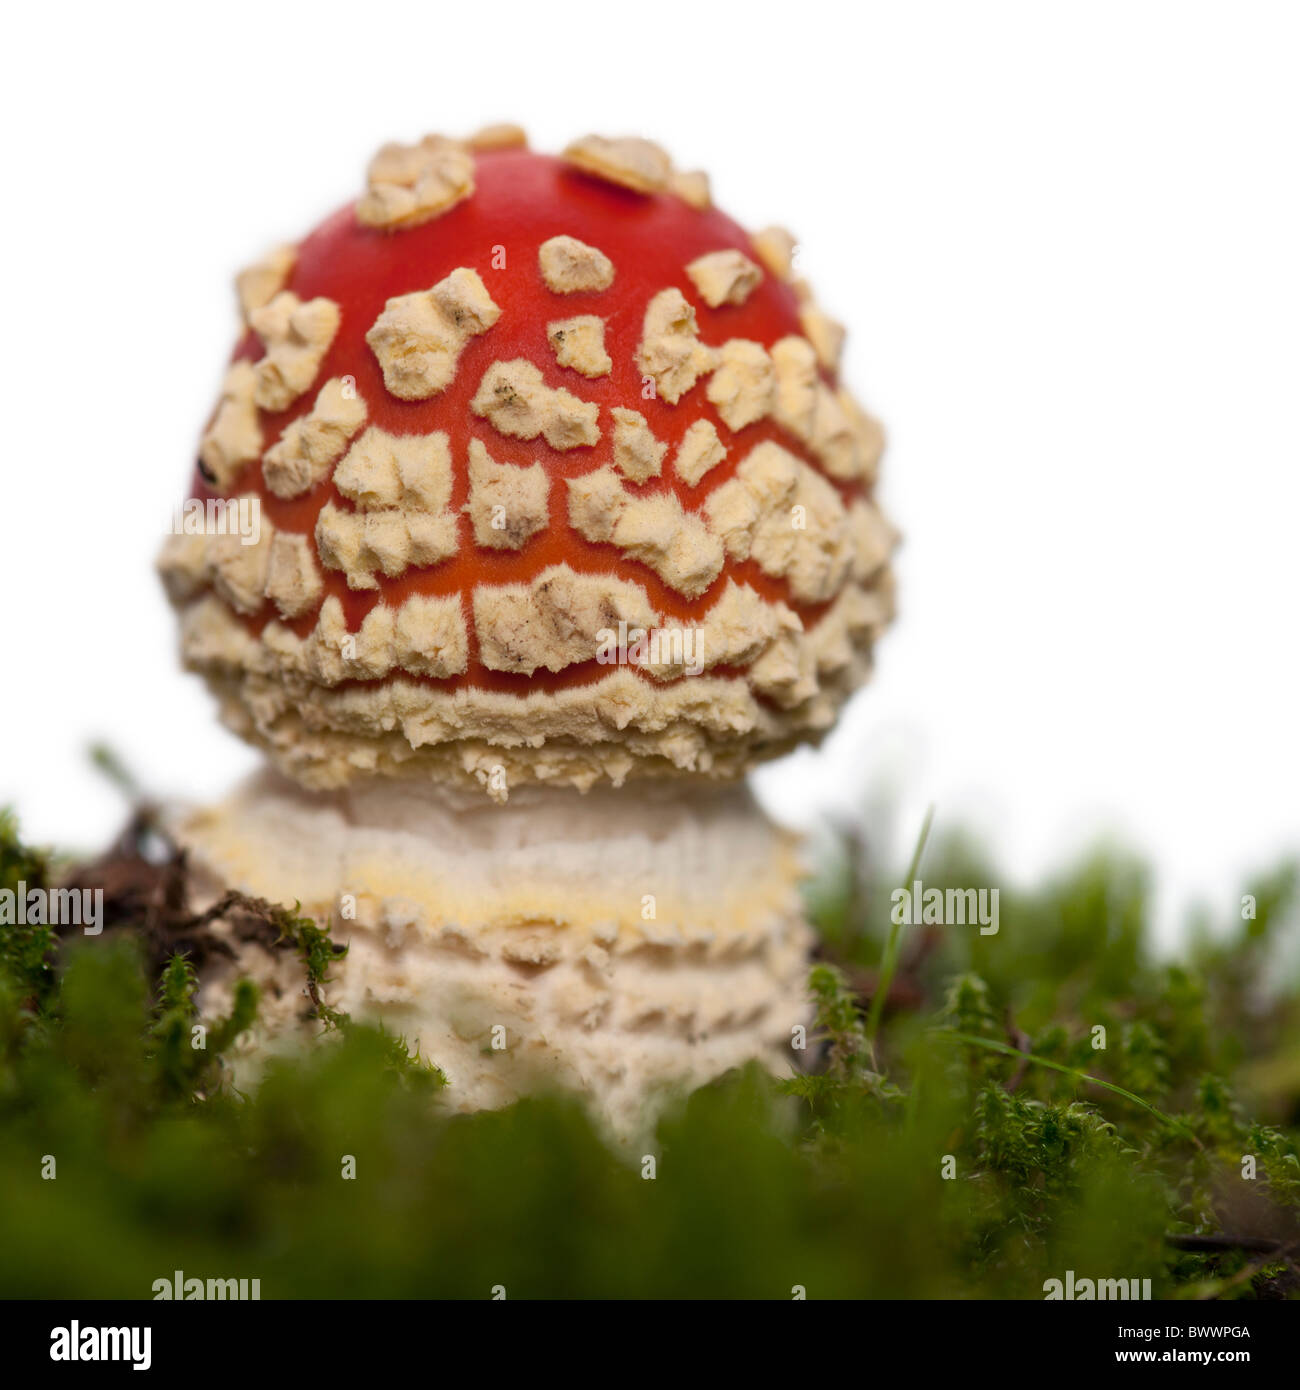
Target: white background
{"x": 1066, "y": 239}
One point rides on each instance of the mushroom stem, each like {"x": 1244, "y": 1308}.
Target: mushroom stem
{"x": 622, "y": 941}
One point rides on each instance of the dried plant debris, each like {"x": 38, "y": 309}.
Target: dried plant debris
{"x": 144, "y": 882}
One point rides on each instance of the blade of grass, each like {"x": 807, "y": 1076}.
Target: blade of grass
{"x": 889, "y": 961}
{"x": 107, "y": 761}
{"x": 993, "y": 1045}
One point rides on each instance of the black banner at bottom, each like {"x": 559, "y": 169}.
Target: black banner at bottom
{"x": 167, "y": 1338}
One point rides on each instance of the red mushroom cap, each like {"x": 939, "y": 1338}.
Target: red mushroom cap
{"x": 556, "y": 481}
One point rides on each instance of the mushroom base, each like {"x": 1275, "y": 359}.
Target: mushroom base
{"x": 628, "y": 943}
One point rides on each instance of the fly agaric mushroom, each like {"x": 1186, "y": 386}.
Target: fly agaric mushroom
{"x": 566, "y": 523}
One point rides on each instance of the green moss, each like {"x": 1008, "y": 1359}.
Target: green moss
{"x": 1051, "y": 1098}
{"x": 25, "y": 950}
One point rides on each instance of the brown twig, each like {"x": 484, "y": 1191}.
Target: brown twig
{"x": 1204, "y": 1245}
{"x": 1020, "y": 1040}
